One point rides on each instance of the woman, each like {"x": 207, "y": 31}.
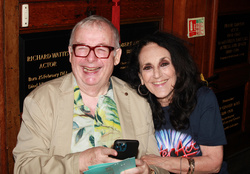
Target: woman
{"x": 186, "y": 114}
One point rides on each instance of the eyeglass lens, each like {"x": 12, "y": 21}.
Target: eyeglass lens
{"x": 84, "y": 50}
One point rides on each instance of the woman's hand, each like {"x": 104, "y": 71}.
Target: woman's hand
{"x": 209, "y": 162}
{"x": 141, "y": 168}
{"x": 153, "y": 160}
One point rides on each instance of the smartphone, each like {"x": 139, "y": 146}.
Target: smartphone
{"x": 126, "y": 148}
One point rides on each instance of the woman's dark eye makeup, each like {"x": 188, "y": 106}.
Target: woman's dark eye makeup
{"x": 164, "y": 63}
{"x": 147, "y": 67}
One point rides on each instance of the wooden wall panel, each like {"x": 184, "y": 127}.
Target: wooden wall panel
{"x": 246, "y": 112}
{"x": 39, "y": 1}
{"x": 143, "y": 9}
{"x": 234, "y": 76}
{"x": 3, "y": 155}
{"x": 11, "y": 61}
{"x": 210, "y": 39}
{"x": 58, "y": 15}
{"x": 197, "y": 48}
{"x": 201, "y": 48}
{"x": 179, "y": 18}
{"x": 168, "y": 15}
{"x": 61, "y": 15}
{"x": 233, "y": 6}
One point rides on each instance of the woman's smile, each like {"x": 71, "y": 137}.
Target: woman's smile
{"x": 160, "y": 82}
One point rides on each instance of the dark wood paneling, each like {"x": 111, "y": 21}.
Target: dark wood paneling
{"x": 11, "y": 61}
{"x": 168, "y": 15}
{"x": 201, "y": 48}
{"x": 3, "y": 155}
{"x": 233, "y": 76}
{"x": 58, "y": 15}
{"x": 62, "y": 15}
{"x": 39, "y": 1}
{"x": 233, "y": 6}
{"x": 143, "y": 9}
{"x": 246, "y": 112}
{"x": 210, "y": 39}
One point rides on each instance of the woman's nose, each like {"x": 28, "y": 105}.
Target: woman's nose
{"x": 157, "y": 73}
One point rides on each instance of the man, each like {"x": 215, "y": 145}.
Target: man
{"x": 71, "y": 122}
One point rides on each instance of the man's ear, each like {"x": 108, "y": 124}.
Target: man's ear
{"x": 140, "y": 76}
{"x": 70, "y": 53}
{"x": 117, "y": 57}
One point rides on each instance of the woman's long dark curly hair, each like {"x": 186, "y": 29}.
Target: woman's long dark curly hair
{"x": 188, "y": 80}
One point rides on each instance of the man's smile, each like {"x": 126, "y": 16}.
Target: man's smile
{"x": 88, "y": 69}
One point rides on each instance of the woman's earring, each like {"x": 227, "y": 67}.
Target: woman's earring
{"x": 139, "y": 90}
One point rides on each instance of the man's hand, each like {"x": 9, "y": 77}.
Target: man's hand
{"x": 96, "y": 155}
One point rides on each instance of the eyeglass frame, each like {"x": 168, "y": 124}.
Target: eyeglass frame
{"x": 92, "y": 49}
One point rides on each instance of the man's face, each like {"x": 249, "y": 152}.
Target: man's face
{"x": 92, "y": 71}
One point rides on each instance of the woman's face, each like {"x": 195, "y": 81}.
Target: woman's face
{"x": 157, "y": 72}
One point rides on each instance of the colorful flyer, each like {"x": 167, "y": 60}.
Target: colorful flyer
{"x": 196, "y": 27}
